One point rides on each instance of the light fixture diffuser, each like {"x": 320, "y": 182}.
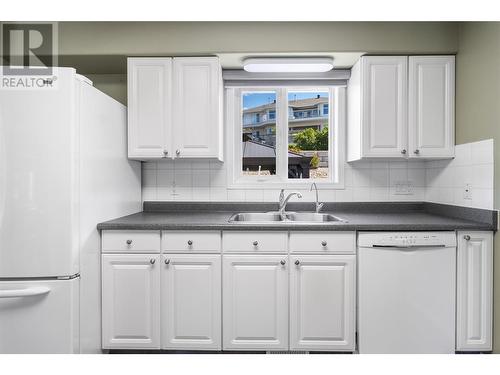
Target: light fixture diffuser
{"x": 288, "y": 64}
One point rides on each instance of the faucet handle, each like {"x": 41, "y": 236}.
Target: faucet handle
{"x": 282, "y": 195}
{"x": 319, "y": 206}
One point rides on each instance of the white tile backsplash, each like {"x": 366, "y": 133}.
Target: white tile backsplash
{"x": 440, "y": 181}
{"x": 446, "y": 180}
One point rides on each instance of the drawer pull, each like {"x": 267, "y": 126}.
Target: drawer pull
{"x": 129, "y": 242}
{"x": 255, "y": 243}
{"x": 297, "y": 262}
{"x": 323, "y": 243}
{"x": 283, "y": 262}
{"x": 167, "y": 261}
{"x": 152, "y": 260}
{"x": 190, "y": 242}
{"x": 467, "y": 237}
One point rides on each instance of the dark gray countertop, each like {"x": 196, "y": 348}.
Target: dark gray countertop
{"x": 385, "y": 216}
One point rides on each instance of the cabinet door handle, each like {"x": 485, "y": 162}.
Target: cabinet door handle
{"x": 323, "y": 243}
{"x": 467, "y": 237}
{"x": 165, "y": 153}
{"x": 167, "y": 261}
{"x": 403, "y": 151}
{"x": 152, "y": 260}
{"x": 416, "y": 152}
{"x": 129, "y": 242}
{"x": 255, "y": 243}
{"x": 190, "y": 242}
{"x": 297, "y": 262}
{"x": 283, "y": 262}
{"x": 178, "y": 152}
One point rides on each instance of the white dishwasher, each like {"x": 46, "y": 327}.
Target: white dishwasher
{"x": 406, "y": 296}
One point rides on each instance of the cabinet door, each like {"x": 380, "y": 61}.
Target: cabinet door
{"x": 197, "y": 107}
{"x": 191, "y": 302}
{"x": 384, "y": 98}
{"x": 322, "y": 302}
{"x": 131, "y": 301}
{"x": 255, "y": 300}
{"x": 149, "y": 107}
{"x": 431, "y": 106}
{"x": 474, "y": 291}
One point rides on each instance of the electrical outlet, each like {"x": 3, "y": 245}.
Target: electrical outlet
{"x": 404, "y": 188}
{"x": 468, "y": 192}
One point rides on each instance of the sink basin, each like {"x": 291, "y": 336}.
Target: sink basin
{"x": 271, "y": 217}
{"x": 312, "y": 217}
{"x": 256, "y": 217}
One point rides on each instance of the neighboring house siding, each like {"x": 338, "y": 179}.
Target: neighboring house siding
{"x": 302, "y": 114}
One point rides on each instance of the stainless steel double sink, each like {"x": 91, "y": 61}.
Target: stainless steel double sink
{"x": 272, "y": 217}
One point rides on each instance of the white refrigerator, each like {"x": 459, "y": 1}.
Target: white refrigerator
{"x": 63, "y": 169}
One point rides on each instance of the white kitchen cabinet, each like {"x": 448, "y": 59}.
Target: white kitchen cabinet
{"x": 474, "y": 291}
{"x": 431, "y": 108}
{"x": 197, "y": 103}
{"x": 255, "y": 302}
{"x": 131, "y": 301}
{"x": 191, "y": 302}
{"x": 175, "y": 108}
{"x": 322, "y": 302}
{"x": 377, "y": 105}
{"x": 401, "y": 107}
{"x": 149, "y": 107}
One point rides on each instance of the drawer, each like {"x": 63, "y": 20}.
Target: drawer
{"x": 323, "y": 242}
{"x": 130, "y": 241}
{"x": 191, "y": 242}
{"x": 254, "y": 242}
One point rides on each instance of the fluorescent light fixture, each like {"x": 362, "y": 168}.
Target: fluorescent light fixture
{"x": 288, "y": 64}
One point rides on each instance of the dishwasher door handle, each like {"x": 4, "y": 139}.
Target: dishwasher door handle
{"x": 409, "y": 247}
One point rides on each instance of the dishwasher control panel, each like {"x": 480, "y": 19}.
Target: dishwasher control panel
{"x": 407, "y": 239}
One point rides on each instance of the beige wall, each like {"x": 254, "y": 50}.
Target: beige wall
{"x": 184, "y": 38}
{"x": 115, "y": 85}
{"x": 478, "y": 111}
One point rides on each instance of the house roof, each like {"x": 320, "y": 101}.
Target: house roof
{"x": 301, "y": 103}
{"x": 252, "y": 149}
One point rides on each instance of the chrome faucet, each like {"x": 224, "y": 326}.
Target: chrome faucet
{"x": 283, "y": 201}
{"x": 319, "y": 206}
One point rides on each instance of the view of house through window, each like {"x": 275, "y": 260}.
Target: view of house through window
{"x": 308, "y": 134}
{"x": 259, "y": 133}
{"x": 306, "y": 129}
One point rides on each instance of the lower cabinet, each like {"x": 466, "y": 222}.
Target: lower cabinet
{"x": 130, "y": 303}
{"x": 322, "y": 302}
{"x": 474, "y": 291}
{"x": 191, "y": 302}
{"x": 255, "y": 300}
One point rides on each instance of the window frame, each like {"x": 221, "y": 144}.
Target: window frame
{"x": 336, "y": 139}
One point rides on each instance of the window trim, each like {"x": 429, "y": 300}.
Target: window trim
{"x": 336, "y": 139}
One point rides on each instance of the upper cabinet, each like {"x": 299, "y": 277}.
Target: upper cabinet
{"x": 175, "y": 108}
{"x": 401, "y": 107}
{"x": 149, "y": 107}
{"x": 377, "y": 107}
{"x": 431, "y": 106}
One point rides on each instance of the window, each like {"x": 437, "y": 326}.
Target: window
{"x": 258, "y": 138}
{"x": 285, "y": 136}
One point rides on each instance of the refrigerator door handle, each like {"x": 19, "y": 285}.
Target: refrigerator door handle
{"x": 28, "y": 292}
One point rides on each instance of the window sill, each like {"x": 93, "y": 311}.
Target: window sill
{"x": 276, "y": 185}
